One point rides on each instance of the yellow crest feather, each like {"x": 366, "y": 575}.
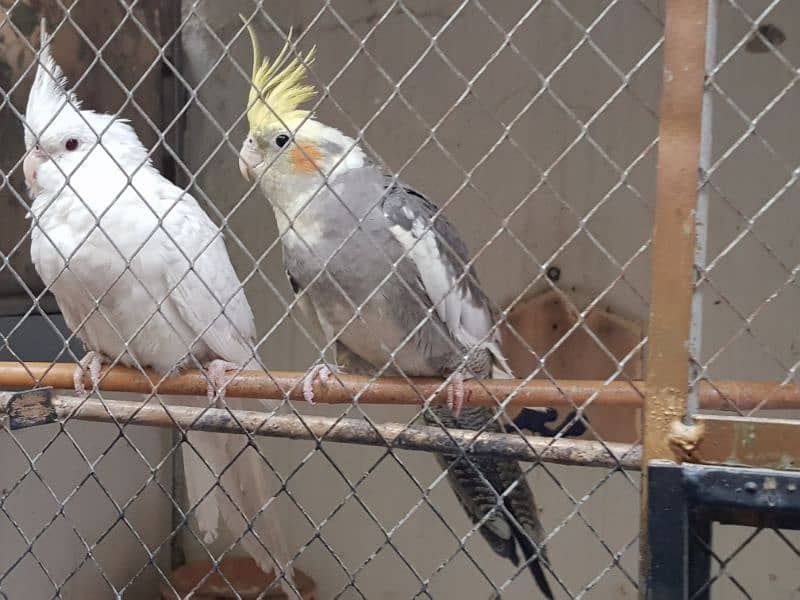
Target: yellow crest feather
{"x": 277, "y": 88}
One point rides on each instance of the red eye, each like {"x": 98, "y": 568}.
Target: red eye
{"x": 71, "y": 144}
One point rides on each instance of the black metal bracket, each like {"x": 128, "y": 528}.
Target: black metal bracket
{"x": 536, "y": 420}
{"x": 683, "y": 502}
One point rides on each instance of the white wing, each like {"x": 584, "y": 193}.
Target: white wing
{"x": 207, "y": 292}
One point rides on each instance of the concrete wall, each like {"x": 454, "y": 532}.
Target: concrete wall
{"x": 543, "y": 223}
{"x": 111, "y": 504}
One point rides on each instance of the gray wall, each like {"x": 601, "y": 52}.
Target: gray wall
{"x": 96, "y": 476}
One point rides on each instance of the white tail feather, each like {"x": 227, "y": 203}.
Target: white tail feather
{"x": 246, "y": 482}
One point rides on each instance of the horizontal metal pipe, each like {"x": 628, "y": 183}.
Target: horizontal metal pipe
{"x": 42, "y": 407}
{"x": 394, "y": 390}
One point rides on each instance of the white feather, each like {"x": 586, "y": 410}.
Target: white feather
{"x": 468, "y": 321}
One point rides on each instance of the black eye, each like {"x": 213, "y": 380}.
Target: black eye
{"x": 281, "y": 140}
{"x": 71, "y": 144}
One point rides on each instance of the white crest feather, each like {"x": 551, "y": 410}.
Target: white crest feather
{"x": 48, "y": 93}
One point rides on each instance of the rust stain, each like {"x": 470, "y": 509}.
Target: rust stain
{"x": 306, "y": 157}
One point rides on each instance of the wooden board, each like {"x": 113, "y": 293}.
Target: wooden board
{"x": 543, "y": 320}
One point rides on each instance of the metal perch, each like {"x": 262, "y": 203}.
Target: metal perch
{"x": 41, "y": 407}
{"x": 342, "y": 389}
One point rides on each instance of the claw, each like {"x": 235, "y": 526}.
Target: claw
{"x": 217, "y": 380}
{"x": 455, "y": 394}
{"x": 92, "y": 363}
{"x": 321, "y": 372}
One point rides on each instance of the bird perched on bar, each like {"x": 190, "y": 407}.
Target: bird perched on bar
{"x": 387, "y": 278}
{"x": 142, "y": 276}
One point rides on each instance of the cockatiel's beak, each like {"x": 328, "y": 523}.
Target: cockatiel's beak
{"x": 244, "y": 169}
{"x": 30, "y": 166}
{"x": 249, "y": 159}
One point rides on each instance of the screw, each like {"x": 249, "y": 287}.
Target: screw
{"x": 751, "y": 486}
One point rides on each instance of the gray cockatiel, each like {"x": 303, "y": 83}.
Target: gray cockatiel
{"x": 383, "y": 275}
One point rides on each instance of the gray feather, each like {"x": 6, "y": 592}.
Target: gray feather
{"x": 480, "y": 494}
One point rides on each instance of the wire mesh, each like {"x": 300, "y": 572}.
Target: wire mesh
{"x": 735, "y": 570}
{"x": 747, "y": 261}
{"x": 747, "y": 281}
{"x": 533, "y": 125}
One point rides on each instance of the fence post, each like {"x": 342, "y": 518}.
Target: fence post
{"x": 673, "y": 239}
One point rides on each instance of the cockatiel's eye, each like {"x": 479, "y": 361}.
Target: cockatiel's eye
{"x": 71, "y": 144}
{"x": 281, "y": 140}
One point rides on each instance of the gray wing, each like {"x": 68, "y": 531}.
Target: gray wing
{"x": 441, "y": 259}
{"x": 440, "y": 256}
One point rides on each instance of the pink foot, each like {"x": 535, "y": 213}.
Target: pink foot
{"x": 455, "y": 394}
{"x": 91, "y": 363}
{"x": 321, "y": 372}
{"x": 217, "y": 380}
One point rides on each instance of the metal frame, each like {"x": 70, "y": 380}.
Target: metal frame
{"x": 673, "y": 241}
{"x": 685, "y": 500}
{"x": 681, "y": 501}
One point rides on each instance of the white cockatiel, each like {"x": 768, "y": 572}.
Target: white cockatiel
{"x": 387, "y": 278}
{"x": 142, "y": 276}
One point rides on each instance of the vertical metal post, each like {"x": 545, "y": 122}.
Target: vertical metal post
{"x": 172, "y": 101}
{"x": 673, "y": 253}
{"x": 701, "y": 219}
{"x": 680, "y": 562}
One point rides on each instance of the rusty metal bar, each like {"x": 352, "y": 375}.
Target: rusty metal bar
{"x": 723, "y": 395}
{"x": 41, "y": 407}
{"x": 674, "y": 228}
{"x": 673, "y": 237}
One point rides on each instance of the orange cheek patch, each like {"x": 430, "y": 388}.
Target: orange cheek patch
{"x": 306, "y": 158}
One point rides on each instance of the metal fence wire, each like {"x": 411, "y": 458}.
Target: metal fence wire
{"x": 467, "y": 196}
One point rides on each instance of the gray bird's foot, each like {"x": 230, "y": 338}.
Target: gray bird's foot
{"x": 217, "y": 380}
{"x": 322, "y": 372}
{"x": 90, "y": 363}
{"x": 455, "y": 393}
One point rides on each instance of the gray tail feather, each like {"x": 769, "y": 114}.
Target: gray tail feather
{"x": 535, "y": 565}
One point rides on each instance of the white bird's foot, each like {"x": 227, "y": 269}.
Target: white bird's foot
{"x": 91, "y": 363}
{"x": 321, "y": 372}
{"x": 217, "y": 380}
{"x": 455, "y": 394}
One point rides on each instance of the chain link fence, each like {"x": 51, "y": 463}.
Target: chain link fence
{"x": 533, "y": 125}
{"x": 746, "y": 260}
